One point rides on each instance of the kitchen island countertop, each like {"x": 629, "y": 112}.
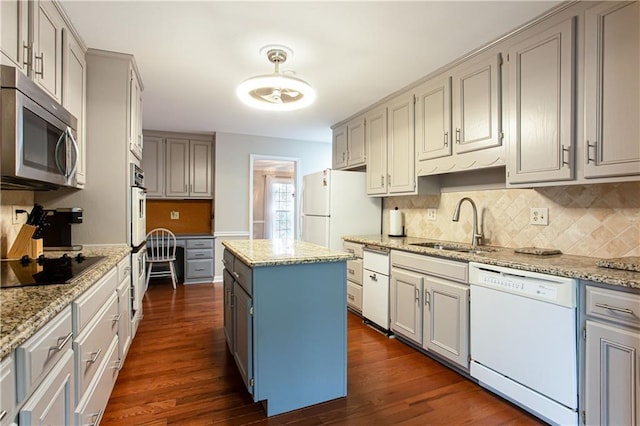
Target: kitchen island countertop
{"x": 564, "y": 265}
{"x": 256, "y": 253}
{"x": 25, "y": 310}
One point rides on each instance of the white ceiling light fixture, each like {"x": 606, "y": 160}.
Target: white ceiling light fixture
{"x": 278, "y": 91}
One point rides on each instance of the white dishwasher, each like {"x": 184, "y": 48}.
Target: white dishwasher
{"x": 375, "y": 286}
{"x": 524, "y": 340}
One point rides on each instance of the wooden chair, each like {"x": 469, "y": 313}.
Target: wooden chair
{"x": 161, "y": 249}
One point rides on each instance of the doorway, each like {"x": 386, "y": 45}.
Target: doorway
{"x": 273, "y": 208}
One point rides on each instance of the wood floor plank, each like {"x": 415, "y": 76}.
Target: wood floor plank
{"x": 179, "y": 372}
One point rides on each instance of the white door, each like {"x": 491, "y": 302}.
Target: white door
{"x": 315, "y": 229}
{"x": 315, "y": 194}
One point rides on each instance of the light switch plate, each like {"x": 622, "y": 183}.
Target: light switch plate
{"x": 175, "y": 215}
{"x": 431, "y": 214}
{"x": 539, "y": 216}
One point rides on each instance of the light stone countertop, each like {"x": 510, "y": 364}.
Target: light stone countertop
{"x": 564, "y": 265}
{"x": 25, "y": 310}
{"x": 255, "y": 253}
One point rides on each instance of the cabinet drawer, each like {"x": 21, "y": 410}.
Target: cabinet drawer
{"x": 227, "y": 260}
{"x": 91, "y": 407}
{"x": 124, "y": 268}
{"x": 38, "y": 355}
{"x": 377, "y": 262}
{"x": 353, "y": 248}
{"x": 200, "y": 243}
{"x": 623, "y": 308}
{"x": 354, "y": 271}
{"x": 242, "y": 274}
{"x": 91, "y": 346}
{"x": 444, "y": 268}
{"x": 199, "y": 268}
{"x": 88, "y": 304}
{"x": 200, "y": 254}
{"x": 8, "y": 390}
{"x": 354, "y": 296}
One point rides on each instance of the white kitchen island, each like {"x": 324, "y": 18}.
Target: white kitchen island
{"x": 285, "y": 321}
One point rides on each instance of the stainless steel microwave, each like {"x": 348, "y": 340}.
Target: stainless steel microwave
{"x": 39, "y": 148}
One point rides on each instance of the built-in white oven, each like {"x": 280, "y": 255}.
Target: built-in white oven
{"x": 138, "y": 287}
{"x": 138, "y": 207}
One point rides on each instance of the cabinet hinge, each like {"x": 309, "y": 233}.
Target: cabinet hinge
{"x": 584, "y": 333}
{"x": 252, "y": 382}
{"x": 469, "y": 358}
{"x": 251, "y": 311}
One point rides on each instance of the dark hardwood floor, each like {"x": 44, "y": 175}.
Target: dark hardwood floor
{"x": 179, "y": 371}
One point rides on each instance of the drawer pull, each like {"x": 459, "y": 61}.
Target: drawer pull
{"x": 373, "y": 277}
{"x": 224, "y": 262}
{"x": 3, "y": 414}
{"x": 351, "y": 297}
{"x": 96, "y": 417}
{"x": 614, "y": 308}
{"x": 235, "y": 274}
{"x": 60, "y": 345}
{"x": 94, "y": 356}
{"x": 350, "y": 250}
{"x": 199, "y": 255}
{"x": 199, "y": 269}
{"x": 351, "y": 271}
{"x": 116, "y": 317}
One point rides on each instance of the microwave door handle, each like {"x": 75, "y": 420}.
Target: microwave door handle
{"x": 57, "y": 153}
{"x": 76, "y": 151}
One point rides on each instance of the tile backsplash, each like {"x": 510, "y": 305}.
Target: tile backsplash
{"x": 601, "y": 220}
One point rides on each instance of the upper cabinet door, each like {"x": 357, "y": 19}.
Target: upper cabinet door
{"x": 14, "y": 33}
{"x": 340, "y": 147}
{"x": 356, "y": 142}
{"x": 401, "y": 149}
{"x": 47, "y": 49}
{"x": 433, "y": 119}
{"x": 177, "y": 168}
{"x": 476, "y": 104}
{"x": 612, "y": 92}
{"x": 74, "y": 95}
{"x": 201, "y": 169}
{"x": 135, "y": 115}
{"x": 153, "y": 166}
{"x": 541, "y": 87}
{"x": 376, "y": 142}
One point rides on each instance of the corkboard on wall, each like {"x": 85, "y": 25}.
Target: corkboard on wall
{"x": 194, "y": 216}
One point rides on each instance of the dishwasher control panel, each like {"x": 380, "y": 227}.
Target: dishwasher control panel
{"x": 544, "y": 287}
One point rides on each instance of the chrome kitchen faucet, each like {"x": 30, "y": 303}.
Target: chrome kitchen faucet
{"x": 476, "y": 240}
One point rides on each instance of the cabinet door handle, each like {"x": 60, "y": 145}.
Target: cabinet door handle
{"x": 94, "y": 356}
{"x": 457, "y": 135}
{"x": 427, "y": 298}
{"x": 381, "y": 180}
{"x": 614, "y": 308}
{"x": 417, "y": 295}
{"x": 593, "y": 146}
{"x": 41, "y": 58}
{"x": 389, "y": 179}
{"x": 117, "y": 365}
{"x": 3, "y": 414}
{"x": 60, "y": 345}
{"x": 446, "y": 138}
{"x": 96, "y": 417}
{"x": 116, "y": 318}
{"x": 568, "y": 151}
{"x": 27, "y": 55}
{"x": 235, "y": 274}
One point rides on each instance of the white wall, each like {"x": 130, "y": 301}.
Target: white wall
{"x": 232, "y": 178}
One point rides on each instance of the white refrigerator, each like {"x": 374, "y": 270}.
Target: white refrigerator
{"x": 335, "y": 204}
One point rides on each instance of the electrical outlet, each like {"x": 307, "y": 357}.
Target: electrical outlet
{"x": 175, "y": 215}
{"x": 539, "y": 216}
{"x": 431, "y": 214}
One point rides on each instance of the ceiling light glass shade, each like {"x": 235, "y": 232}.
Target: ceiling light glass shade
{"x": 276, "y": 92}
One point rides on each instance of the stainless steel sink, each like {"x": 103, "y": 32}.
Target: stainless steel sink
{"x": 453, "y": 247}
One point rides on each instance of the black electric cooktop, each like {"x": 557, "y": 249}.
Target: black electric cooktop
{"x": 44, "y": 270}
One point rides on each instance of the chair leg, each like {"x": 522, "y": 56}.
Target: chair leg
{"x": 173, "y": 274}
{"x": 148, "y": 275}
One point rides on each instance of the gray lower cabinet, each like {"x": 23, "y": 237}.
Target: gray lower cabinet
{"x": 430, "y": 304}
{"x": 227, "y": 283}
{"x": 243, "y": 334}
{"x": 198, "y": 260}
{"x": 612, "y": 354}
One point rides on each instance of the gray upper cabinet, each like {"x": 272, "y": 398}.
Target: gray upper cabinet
{"x": 433, "y": 119}
{"x": 135, "y": 115}
{"x": 541, "y": 87}
{"x": 178, "y": 165}
{"x": 376, "y": 142}
{"x": 340, "y": 147}
{"x": 47, "y": 49}
{"x": 14, "y": 33}
{"x": 476, "y": 104}
{"x": 401, "y": 176}
{"x": 349, "y": 145}
{"x": 153, "y": 166}
{"x": 612, "y": 92}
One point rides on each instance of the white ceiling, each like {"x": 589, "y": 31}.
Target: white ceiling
{"x": 191, "y": 55}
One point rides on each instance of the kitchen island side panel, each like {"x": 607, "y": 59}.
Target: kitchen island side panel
{"x": 300, "y": 334}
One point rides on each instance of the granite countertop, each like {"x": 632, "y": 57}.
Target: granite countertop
{"x": 564, "y": 265}
{"x": 25, "y": 310}
{"x": 255, "y": 253}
